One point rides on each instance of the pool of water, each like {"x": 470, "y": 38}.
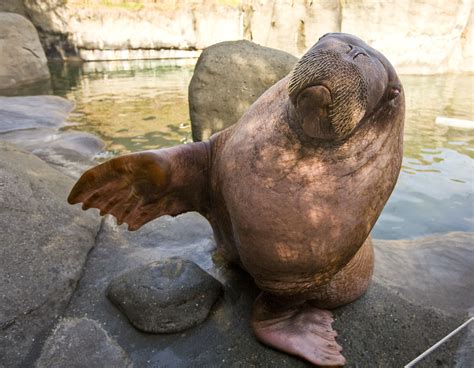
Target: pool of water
{"x": 141, "y": 105}
{"x": 132, "y": 106}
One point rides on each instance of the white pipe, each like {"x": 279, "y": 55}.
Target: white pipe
{"x": 456, "y": 123}
{"x": 435, "y": 346}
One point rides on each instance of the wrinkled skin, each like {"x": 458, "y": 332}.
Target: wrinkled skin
{"x": 292, "y": 190}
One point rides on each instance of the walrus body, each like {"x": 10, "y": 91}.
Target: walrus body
{"x": 292, "y": 190}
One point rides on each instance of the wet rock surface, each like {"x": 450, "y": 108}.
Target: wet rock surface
{"x": 437, "y": 269}
{"x": 165, "y": 296}
{"x": 70, "y": 152}
{"x": 78, "y": 343}
{"x": 23, "y": 60}
{"x": 44, "y": 244}
{"x": 33, "y": 124}
{"x": 228, "y": 78}
{"x": 18, "y": 113}
{"x": 465, "y": 353}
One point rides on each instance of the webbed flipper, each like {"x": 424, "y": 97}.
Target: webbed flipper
{"x": 139, "y": 187}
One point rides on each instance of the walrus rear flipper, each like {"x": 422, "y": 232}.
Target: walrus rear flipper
{"x": 140, "y": 187}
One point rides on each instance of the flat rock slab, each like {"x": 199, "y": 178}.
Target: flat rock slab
{"x": 85, "y": 145}
{"x": 33, "y": 123}
{"x": 44, "y": 245}
{"x": 79, "y": 343}
{"x": 382, "y": 329}
{"x": 165, "y": 296}
{"x": 29, "y": 112}
{"x": 70, "y": 152}
{"x": 227, "y": 79}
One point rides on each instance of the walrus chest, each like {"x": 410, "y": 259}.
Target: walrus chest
{"x": 296, "y": 216}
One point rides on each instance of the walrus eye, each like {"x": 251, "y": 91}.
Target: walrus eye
{"x": 393, "y": 93}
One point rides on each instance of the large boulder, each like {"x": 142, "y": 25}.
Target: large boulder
{"x": 44, "y": 243}
{"x": 166, "y": 296}
{"x": 23, "y": 60}
{"x": 228, "y": 78}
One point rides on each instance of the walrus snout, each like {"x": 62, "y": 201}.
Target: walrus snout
{"x": 329, "y": 92}
{"x": 342, "y": 69}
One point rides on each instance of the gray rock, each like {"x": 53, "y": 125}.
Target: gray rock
{"x": 167, "y": 296}
{"x": 228, "y": 78}
{"x": 384, "y": 329}
{"x": 44, "y": 244}
{"x": 78, "y": 343}
{"x": 70, "y": 152}
{"x": 18, "y": 113}
{"x": 465, "y": 353}
{"x": 13, "y": 6}
{"x": 23, "y": 60}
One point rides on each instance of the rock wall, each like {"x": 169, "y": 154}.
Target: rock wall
{"x": 425, "y": 36}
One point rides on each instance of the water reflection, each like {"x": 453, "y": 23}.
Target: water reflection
{"x": 435, "y": 189}
{"x": 131, "y": 105}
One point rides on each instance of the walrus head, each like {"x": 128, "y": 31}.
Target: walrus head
{"x": 338, "y": 84}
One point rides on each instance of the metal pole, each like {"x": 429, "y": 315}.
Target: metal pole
{"x": 435, "y": 346}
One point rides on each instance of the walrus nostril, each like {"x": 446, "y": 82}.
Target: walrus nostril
{"x": 355, "y": 51}
{"x": 316, "y": 95}
{"x": 312, "y": 105}
{"x": 393, "y": 92}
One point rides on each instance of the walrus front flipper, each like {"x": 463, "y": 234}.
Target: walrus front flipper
{"x": 140, "y": 187}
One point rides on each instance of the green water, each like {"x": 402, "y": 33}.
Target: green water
{"x": 132, "y": 106}
{"x": 143, "y": 105}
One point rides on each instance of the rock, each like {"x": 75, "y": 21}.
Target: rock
{"x": 400, "y": 33}
{"x": 17, "y": 113}
{"x": 292, "y": 26}
{"x": 465, "y": 353}
{"x": 33, "y": 124}
{"x": 70, "y": 152}
{"x": 78, "y": 343}
{"x": 44, "y": 244}
{"x": 227, "y": 79}
{"x": 383, "y": 329}
{"x": 13, "y": 6}
{"x": 23, "y": 60}
{"x": 164, "y": 297}
{"x": 104, "y": 32}
{"x": 123, "y": 30}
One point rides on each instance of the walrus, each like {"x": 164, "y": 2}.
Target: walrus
{"x": 291, "y": 191}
